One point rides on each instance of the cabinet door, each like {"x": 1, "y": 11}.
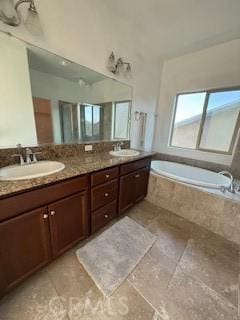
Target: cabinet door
{"x": 68, "y": 222}
{"x": 126, "y": 192}
{"x": 133, "y": 188}
{"x": 141, "y": 184}
{"x": 24, "y": 247}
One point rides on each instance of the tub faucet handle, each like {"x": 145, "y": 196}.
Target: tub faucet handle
{"x": 222, "y": 189}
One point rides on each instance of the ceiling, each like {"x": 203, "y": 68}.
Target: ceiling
{"x": 44, "y": 61}
{"x": 171, "y": 28}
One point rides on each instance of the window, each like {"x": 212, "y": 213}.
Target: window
{"x": 91, "y": 122}
{"x": 121, "y": 123}
{"x": 207, "y": 120}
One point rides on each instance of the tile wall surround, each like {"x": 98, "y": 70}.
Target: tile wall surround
{"x": 211, "y": 211}
{"x": 53, "y": 152}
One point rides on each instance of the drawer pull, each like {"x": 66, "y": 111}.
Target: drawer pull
{"x": 52, "y": 213}
{"x": 107, "y": 176}
{"x": 137, "y": 176}
{"x": 45, "y": 216}
{"x": 106, "y": 216}
{"x": 106, "y": 194}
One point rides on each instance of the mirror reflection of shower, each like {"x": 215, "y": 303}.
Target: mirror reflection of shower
{"x": 94, "y": 122}
{"x": 141, "y": 118}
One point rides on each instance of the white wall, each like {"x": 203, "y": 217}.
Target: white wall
{"x": 85, "y": 32}
{"x": 215, "y": 67}
{"x": 16, "y": 108}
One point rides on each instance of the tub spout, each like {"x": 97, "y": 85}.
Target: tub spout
{"x": 231, "y": 187}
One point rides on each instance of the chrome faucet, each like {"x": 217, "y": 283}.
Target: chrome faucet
{"x": 231, "y": 187}
{"x": 22, "y": 162}
{"x": 117, "y": 146}
{"x": 30, "y": 156}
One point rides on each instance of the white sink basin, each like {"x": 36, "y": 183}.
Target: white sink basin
{"x": 125, "y": 153}
{"x": 29, "y": 171}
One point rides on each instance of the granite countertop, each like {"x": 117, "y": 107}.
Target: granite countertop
{"x": 74, "y": 166}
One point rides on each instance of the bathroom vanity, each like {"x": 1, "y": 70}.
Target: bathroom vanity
{"x": 38, "y": 225}
{"x": 68, "y": 113}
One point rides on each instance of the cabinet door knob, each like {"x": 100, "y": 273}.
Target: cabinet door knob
{"x": 52, "y": 213}
{"x": 45, "y": 216}
{"x": 106, "y": 216}
{"x": 106, "y": 194}
{"x": 107, "y": 175}
{"x": 137, "y": 176}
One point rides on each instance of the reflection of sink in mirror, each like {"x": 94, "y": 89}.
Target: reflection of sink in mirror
{"x": 62, "y": 103}
{"x": 125, "y": 153}
{"x": 29, "y": 171}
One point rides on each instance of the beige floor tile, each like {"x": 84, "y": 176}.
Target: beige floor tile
{"x": 190, "y": 299}
{"x": 175, "y": 221}
{"x": 143, "y": 214}
{"x": 89, "y": 306}
{"x": 35, "y": 299}
{"x": 128, "y": 305}
{"x": 125, "y": 304}
{"x": 213, "y": 268}
{"x": 152, "y": 276}
{"x": 69, "y": 277}
{"x": 171, "y": 241}
{"x": 148, "y": 206}
{"x": 217, "y": 243}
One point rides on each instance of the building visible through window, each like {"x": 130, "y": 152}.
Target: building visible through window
{"x": 207, "y": 120}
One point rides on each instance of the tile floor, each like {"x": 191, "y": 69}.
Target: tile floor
{"x": 189, "y": 274}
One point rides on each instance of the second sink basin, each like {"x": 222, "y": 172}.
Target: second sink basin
{"x": 125, "y": 153}
{"x": 29, "y": 171}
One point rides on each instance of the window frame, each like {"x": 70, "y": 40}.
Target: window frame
{"x": 84, "y": 135}
{"x": 129, "y": 119}
{"x": 202, "y": 121}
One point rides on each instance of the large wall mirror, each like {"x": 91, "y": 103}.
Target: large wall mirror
{"x": 47, "y": 99}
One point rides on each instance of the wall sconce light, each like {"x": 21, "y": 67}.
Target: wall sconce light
{"x": 82, "y": 83}
{"x": 118, "y": 66}
{"x": 9, "y": 11}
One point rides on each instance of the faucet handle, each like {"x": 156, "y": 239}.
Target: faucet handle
{"x": 20, "y": 157}
{"x": 34, "y": 156}
{"x": 115, "y": 146}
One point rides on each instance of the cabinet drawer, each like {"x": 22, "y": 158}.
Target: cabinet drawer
{"x": 104, "y": 194}
{"x": 133, "y": 166}
{"x": 104, "y": 176}
{"x": 15, "y": 205}
{"x": 102, "y": 216}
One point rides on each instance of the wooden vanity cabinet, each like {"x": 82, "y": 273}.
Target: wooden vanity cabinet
{"x": 24, "y": 247}
{"x": 133, "y": 186}
{"x": 68, "y": 222}
{"x": 104, "y": 196}
{"x": 39, "y": 225}
{"x": 30, "y": 240}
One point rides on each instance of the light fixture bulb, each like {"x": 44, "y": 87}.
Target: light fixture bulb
{"x": 65, "y": 63}
{"x": 128, "y": 71}
{"x": 111, "y": 63}
{"x": 32, "y": 7}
